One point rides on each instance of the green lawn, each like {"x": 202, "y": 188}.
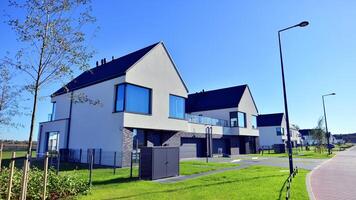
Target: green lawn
{"x": 257, "y": 182}
{"x": 196, "y": 167}
{"x": 298, "y": 153}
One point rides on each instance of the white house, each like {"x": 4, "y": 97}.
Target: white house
{"x": 143, "y": 101}
{"x": 307, "y": 138}
{"x": 273, "y": 130}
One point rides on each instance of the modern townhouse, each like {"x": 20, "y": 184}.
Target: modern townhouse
{"x": 140, "y": 99}
{"x": 273, "y": 130}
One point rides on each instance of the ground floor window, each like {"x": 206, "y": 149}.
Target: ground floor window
{"x": 53, "y": 141}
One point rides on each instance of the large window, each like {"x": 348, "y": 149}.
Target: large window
{"x": 120, "y": 97}
{"x": 254, "y": 121}
{"x": 176, "y": 107}
{"x": 53, "y": 142}
{"x": 242, "y": 119}
{"x": 233, "y": 119}
{"x": 132, "y": 98}
{"x": 238, "y": 119}
{"x": 280, "y": 131}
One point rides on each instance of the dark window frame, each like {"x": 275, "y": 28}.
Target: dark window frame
{"x": 255, "y": 116}
{"x": 169, "y": 107}
{"x": 238, "y": 124}
{"x": 230, "y": 113}
{"x": 125, "y": 100}
{"x": 280, "y": 130}
{"x": 54, "y": 107}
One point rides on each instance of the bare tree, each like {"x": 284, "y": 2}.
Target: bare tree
{"x": 9, "y": 106}
{"x": 51, "y": 33}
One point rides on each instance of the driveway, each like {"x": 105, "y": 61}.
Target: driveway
{"x": 336, "y": 178}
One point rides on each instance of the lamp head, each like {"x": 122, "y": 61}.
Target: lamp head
{"x": 303, "y": 24}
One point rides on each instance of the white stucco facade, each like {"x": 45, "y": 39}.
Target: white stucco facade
{"x": 269, "y": 136}
{"x": 82, "y": 125}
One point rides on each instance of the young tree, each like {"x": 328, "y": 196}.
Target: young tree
{"x": 51, "y": 33}
{"x": 318, "y": 133}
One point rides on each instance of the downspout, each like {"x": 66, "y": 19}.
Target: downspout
{"x": 69, "y": 119}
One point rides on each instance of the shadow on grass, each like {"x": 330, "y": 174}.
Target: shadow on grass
{"x": 116, "y": 180}
{"x": 193, "y": 187}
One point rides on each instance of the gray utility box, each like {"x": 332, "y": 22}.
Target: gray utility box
{"x": 159, "y": 162}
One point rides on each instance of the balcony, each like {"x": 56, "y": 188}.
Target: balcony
{"x": 206, "y": 120}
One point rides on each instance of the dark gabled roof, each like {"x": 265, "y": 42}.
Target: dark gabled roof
{"x": 274, "y": 119}
{"x": 305, "y": 132}
{"x": 215, "y": 99}
{"x": 110, "y": 70}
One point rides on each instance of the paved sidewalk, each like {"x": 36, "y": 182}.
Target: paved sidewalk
{"x": 336, "y": 178}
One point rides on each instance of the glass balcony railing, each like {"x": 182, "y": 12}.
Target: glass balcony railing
{"x": 206, "y": 120}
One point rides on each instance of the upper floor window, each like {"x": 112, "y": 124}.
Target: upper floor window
{"x": 233, "y": 119}
{"x": 133, "y": 98}
{"x": 176, "y": 107}
{"x": 238, "y": 119}
{"x": 254, "y": 121}
{"x": 280, "y": 131}
{"x": 242, "y": 119}
{"x": 53, "y": 114}
{"x": 120, "y": 98}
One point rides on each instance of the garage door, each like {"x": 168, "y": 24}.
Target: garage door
{"x": 192, "y": 147}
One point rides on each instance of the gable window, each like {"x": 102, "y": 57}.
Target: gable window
{"x": 176, "y": 107}
{"x": 242, "y": 119}
{"x": 280, "y": 131}
{"x": 254, "y": 121}
{"x": 238, "y": 119}
{"x": 133, "y": 98}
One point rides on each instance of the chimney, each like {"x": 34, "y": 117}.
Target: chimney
{"x": 97, "y": 63}
{"x": 112, "y": 57}
{"x": 104, "y": 60}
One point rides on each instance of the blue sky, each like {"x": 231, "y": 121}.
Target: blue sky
{"x": 219, "y": 44}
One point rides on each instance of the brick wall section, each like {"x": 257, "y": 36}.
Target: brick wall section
{"x": 127, "y": 146}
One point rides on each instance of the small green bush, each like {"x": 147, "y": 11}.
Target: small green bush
{"x": 58, "y": 186}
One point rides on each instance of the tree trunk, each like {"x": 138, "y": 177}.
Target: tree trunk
{"x": 32, "y": 127}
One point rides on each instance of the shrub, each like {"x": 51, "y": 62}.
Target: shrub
{"x": 58, "y": 186}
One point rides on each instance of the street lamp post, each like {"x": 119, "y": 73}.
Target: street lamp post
{"x": 326, "y": 122}
{"x": 289, "y": 144}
